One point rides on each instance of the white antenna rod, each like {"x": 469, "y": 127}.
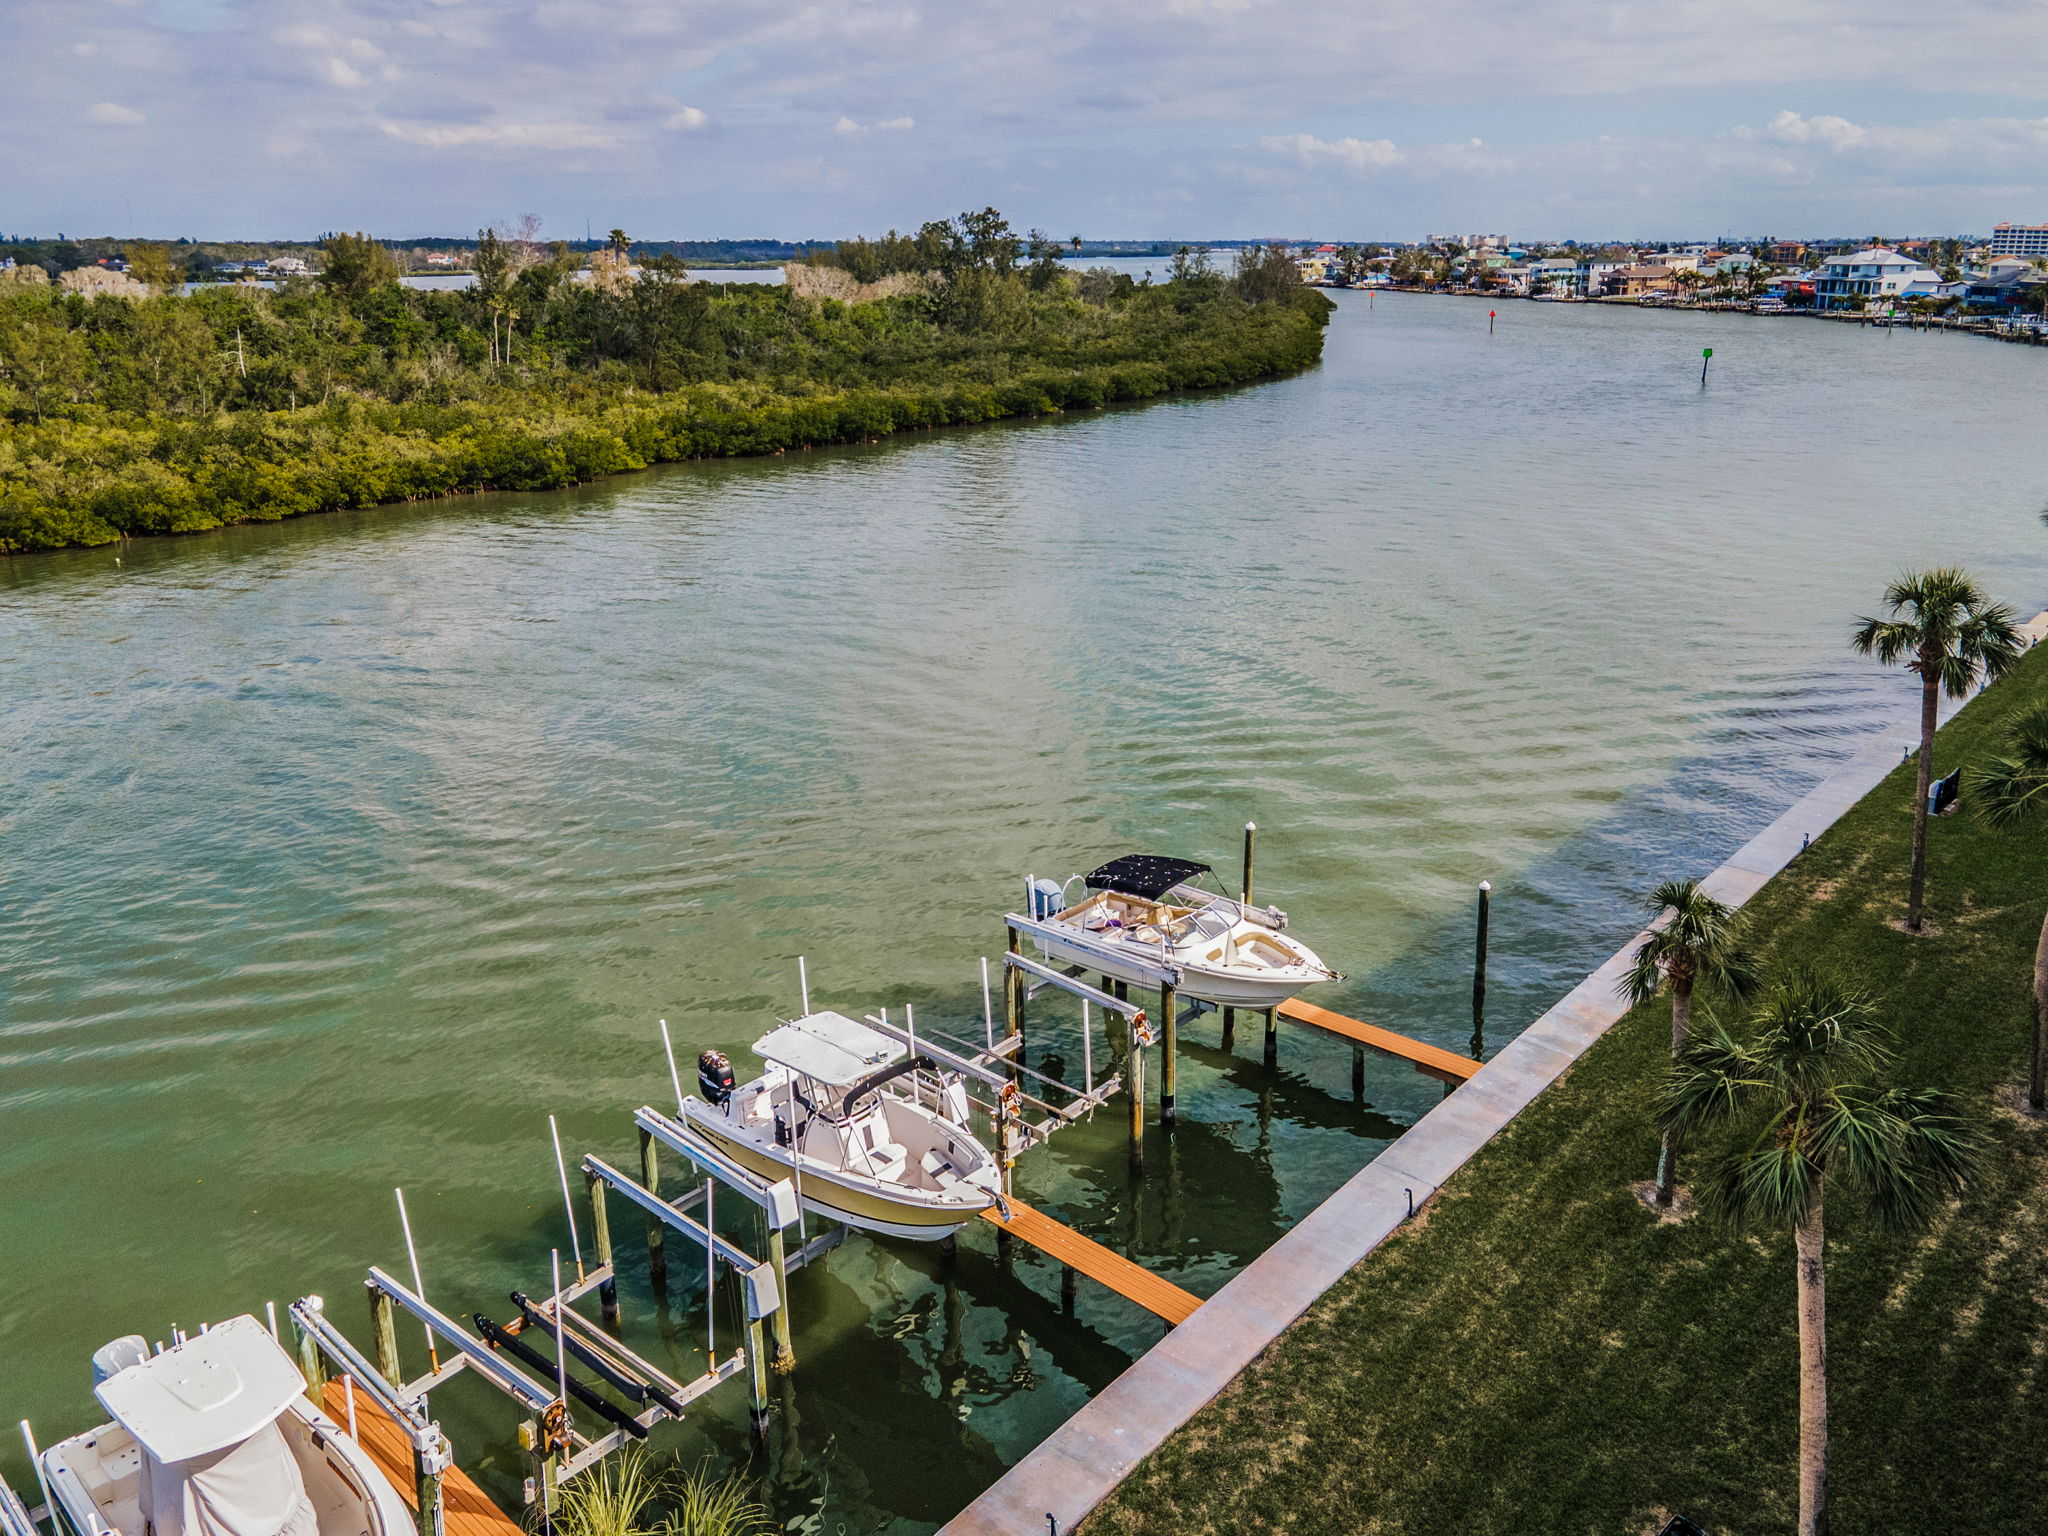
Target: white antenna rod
{"x": 1087, "y": 1050}
{"x": 910, "y": 1028}
{"x": 348, "y": 1392}
{"x": 270, "y": 1311}
{"x": 35, "y": 1459}
{"x": 988, "y": 1007}
{"x": 419, "y": 1287}
{"x": 562, "y": 1169}
{"x": 803, "y": 981}
{"x": 675, "y": 1080}
{"x": 561, "y": 1354}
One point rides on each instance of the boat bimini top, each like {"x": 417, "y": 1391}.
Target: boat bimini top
{"x": 1150, "y": 875}
{"x": 205, "y": 1394}
{"x": 829, "y": 1048}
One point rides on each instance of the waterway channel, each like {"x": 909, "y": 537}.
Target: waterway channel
{"x": 335, "y": 855}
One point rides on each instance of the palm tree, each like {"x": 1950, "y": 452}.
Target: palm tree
{"x": 1942, "y": 628}
{"x": 2007, "y": 792}
{"x": 1076, "y": 243}
{"x": 1808, "y": 1122}
{"x": 618, "y": 241}
{"x": 1700, "y": 941}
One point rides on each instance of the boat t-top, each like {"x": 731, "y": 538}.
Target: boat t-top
{"x": 830, "y": 1114}
{"x": 214, "y": 1437}
{"x": 1144, "y": 912}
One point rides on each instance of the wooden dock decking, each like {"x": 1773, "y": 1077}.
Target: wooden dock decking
{"x": 467, "y": 1509}
{"x": 1432, "y": 1060}
{"x": 1131, "y": 1281}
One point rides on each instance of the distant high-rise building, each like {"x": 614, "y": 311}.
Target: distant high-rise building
{"x": 2020, "y": 240}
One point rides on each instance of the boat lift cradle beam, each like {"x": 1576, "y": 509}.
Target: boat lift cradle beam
{"x": 674, "y": 1135}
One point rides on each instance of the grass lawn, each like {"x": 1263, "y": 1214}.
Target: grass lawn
{"x": 1537, "y": 1353}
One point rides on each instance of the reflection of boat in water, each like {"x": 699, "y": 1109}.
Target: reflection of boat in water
{"x": 214, "y": 1437}
{"x": 1143, "y": 912}
{"x": 829, "y": 1113}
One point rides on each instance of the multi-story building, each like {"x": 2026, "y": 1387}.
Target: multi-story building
{"x": 1876, "y": 273}
{"x": 2020, "y": 240}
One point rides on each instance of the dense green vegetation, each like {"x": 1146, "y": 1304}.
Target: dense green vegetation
{"x": 171, "y": 412}
{"x": 1540, "y": 1352}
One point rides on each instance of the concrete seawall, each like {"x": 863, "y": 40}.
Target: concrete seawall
{"x": 1068, "y": 1474}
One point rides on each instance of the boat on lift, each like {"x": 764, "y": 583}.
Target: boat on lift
{"x": 215, "y": 1437}
{"x": 830, "y": 1112}
{"x": 1143, "y": 919}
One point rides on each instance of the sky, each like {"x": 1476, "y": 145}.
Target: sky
{"x": 1153, "y": 119}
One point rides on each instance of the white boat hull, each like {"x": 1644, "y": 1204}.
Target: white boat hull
{"x": 1216, "y": 954}
{"x": 881, "y": 1205}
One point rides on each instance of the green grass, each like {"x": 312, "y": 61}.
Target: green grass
{"x": 1536, "y": 1353}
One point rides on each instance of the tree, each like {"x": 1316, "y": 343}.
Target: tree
{"x": 2008, "y": 792}
{"x": 155, "y": 265}
{"x": 1807, "y": 1121}
{"x": 355, "y": 266}
{"x": 1699, "y": 941}
{"x": 1265, "y": 274}
{"x": 1942, "y": 628}
{"x": 619, "y": 242}
{"x": 1075, "y": 242}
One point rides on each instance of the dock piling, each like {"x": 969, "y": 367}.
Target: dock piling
{"x": 1134, "y": 1081}
{"x": 1169, "y": 1041}
{"x": 757, "y": 1379}
{"x": 1272, "y": 1040}
{"x": 1479, "y": 954}
{"x": 601, "y": 1236}
{"x": 1251, "y": 832}
{"x": 785, "y": 1355}
{"x": 1230, "y": 1029}
{"x": 312, "y": 1364}
{"x": 650, "y": 1175}
{"x": 384, "y": 1330}
{"x": 1358, "y": 1073}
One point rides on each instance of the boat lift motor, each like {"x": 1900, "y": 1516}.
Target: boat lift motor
{"x": 714, "y": 1076}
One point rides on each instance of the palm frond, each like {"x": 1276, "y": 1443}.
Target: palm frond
{"x": 1714, "y": 1080}
{"x": 2014, "y": 786}
{"x": 1889, "y": 640}
{"x": 1908, "y": 1149}
{"x": 1767, "y": 1188}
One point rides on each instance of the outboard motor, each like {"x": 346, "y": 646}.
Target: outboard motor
{"x": 714, "y": 1076}
{"x": 111, "y": 1359}
{"x": 1047, "y": 898}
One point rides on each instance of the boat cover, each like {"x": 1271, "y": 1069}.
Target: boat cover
{"x": 828, "y": 1048}
{"x": 250, "y": 1489}
{"x": 1150, "y": 875}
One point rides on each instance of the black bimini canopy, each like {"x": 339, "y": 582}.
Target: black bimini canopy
{"x": 1149, "y": 875}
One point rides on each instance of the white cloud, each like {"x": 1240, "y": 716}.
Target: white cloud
{"x": 559, "y": 135}
{"x": 847, "y": 125}
{"x": 1358, "y": 154}
{"x": 686, "y": 119}
{"x": 85, "y": 50}
{"x": 1835, "y": 132}
{"x": 111, "y": 114}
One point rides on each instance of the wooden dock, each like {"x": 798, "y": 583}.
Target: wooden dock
{"x": 1430, "y": 1060}
{"x": 1131, "y": 1281}
{"x": 468, "y": 1510}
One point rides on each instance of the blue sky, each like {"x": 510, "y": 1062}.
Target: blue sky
{"x": 1111, "y": 118}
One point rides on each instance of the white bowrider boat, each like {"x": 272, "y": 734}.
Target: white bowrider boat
{"x": 830, "y": 1115}
{"x": 215, "y": 1437}
{"x": 1142, "y": 919}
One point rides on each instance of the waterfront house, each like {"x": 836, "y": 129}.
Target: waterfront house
{"x": 1873, "y": 276}
{"x": 1641, "y": 281}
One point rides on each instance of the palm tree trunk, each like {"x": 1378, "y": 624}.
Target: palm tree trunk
{"x": 2037, "y": 1070}
{"x": 1930, "y": 684}
{"x": 1813, "y": 1373}
{"x": 1681, "y": 1028}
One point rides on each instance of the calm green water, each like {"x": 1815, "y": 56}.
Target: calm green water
{"x": 336, "y": 855}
